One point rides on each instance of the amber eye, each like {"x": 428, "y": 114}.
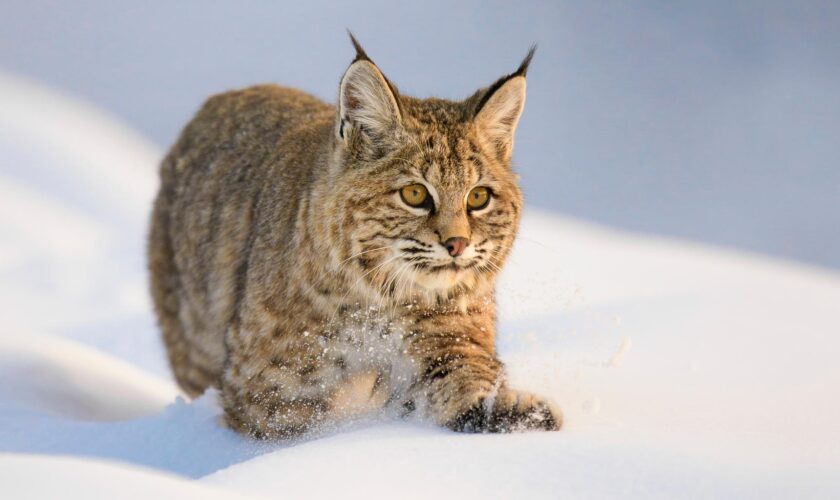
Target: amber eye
{"x": 478, "y": 198}
{"x": 414, "y": 195}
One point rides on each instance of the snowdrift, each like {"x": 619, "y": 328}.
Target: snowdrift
{"x": 683, "y": 371}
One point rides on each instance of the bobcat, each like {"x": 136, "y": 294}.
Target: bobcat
{"x": 316, "y": 263}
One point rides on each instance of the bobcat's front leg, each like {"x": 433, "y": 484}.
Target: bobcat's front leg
{"x": 460, "y": 383}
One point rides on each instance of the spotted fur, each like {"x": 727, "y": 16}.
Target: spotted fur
{"x": 287, "y": 271}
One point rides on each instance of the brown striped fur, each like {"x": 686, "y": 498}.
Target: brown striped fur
{"x": 287, "y": 271}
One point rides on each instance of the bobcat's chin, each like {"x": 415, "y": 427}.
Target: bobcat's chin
{"x": 443, "y": 279}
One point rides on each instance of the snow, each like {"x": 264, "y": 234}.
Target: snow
{"x": 72, "y": 380}
{"x": 23, "y": 476}
{"x": 683, "y": 371}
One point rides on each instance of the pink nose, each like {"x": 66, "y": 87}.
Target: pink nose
{"x": 456, "y": 245}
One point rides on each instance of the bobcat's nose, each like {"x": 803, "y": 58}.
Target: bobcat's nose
{"x": 456, "y": 245}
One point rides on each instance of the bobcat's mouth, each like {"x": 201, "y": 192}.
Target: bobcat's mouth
{"x": 442, "y": 278}
{"x": 453, "y": 266}
{"x": 436, "y": 277}
{"x": 412, "y": 266}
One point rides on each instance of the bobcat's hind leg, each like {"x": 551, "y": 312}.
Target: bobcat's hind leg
{"x": 195, "y": 369}
{"x": 166, "y": 296}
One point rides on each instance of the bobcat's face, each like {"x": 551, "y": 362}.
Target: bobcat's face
{"x": 436, "y": 216}
{"x": 424, "y": 200}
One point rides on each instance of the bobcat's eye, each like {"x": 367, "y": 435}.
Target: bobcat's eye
{"x": 414, "y": 195}
{"x": 478, "y": 198}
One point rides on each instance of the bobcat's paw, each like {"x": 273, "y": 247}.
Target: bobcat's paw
{"x": 510, "y": 411}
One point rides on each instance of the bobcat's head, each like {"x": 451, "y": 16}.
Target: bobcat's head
{"x": 424, "y": 199}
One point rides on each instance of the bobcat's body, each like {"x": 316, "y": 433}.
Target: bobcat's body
{"x": 286, "y": 272}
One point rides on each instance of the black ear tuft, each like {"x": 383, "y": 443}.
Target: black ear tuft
{"x": 361, "y": 55}
{"x": 523, "y": 68}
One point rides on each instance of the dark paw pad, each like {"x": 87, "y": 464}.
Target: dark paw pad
{"x": 537, "y": 418}
{"x": 475, "y": 419}
{"x": 504, "y": 419}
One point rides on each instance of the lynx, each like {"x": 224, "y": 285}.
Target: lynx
{"x": 318, "y": 263}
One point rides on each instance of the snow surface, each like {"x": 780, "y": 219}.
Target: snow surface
{"x": 683, "y": 371}
{"x": 23, "y": 476}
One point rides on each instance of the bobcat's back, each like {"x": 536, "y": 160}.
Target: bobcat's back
{"x": 247, "y": 156}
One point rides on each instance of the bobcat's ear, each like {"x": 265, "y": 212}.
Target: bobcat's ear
{"x": 367, "y": 102}
{"x": 500, "y": 107}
